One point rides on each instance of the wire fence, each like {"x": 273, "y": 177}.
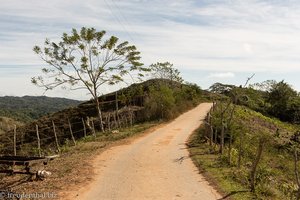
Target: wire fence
{"x": 41, "y": 138}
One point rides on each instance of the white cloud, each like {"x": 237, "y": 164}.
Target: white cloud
{"x": 224, "y": 75}
{"x": 248, "y": 48}
{"x": 221, "y": 35}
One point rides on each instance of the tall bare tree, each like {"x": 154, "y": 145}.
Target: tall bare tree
{"x": 86, "y": 60}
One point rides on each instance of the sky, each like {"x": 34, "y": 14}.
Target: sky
{"x": 207, "y": 40}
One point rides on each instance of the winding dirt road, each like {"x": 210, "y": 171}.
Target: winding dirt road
{"x": 152, "y": 167}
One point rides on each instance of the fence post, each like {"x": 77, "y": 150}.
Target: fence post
{"x": 117, "y": 110}
{"x": 131, "y": 117}
{"x": 126, "y": 122}
{"x": 38, "y": 139}
{"x": 56, "y": 140}
{"x": 93, "y": 126}
{"x": 108, "y": 122}
{"x": 15, "y": 145}
{"x": 84, "y": 128}
{"x": 15, "y": 140}
{"x": 115, "y": 120}
{"x": 70, "y": 126}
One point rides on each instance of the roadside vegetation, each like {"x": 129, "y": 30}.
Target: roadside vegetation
{"x": 250, "y": 154}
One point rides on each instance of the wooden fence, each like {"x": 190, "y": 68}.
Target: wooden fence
{"x": 56, "y": 134}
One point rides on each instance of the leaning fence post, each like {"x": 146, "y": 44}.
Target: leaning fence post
{"x": 15, "y": 145}
{"x": 56, "y": 140}
{"x": 38, "y": 139}
{"x": 70, "y": 126}
{"x": 84, "y": 128}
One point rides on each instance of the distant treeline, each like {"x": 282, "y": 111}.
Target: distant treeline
{"x": 28, "y": 108}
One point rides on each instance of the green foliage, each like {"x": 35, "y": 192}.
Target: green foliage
{"x": 263, "y": 86}
{"x": 293, "y": 110}
{"x": 285, "y": 102}
{"x": 274, "y": 177}
{"x": 221, "y": 88}
{"x": 85, "y": 59}
{"x": 165, "y": 71}
{"x": 165, "y": 101}
{"x": 254, "y": 99}
{"x": 277, "y": 99}
{"x": 188, "y": 91}
{"x": 160, "y": 102}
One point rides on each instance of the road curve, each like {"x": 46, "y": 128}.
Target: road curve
{"x": 152, "y": 167}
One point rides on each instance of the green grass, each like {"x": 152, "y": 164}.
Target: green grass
{"x": 275, "y": 175}
{"x": 219, "y": 175}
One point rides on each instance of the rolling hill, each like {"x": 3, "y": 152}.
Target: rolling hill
{"x": 28, "y": 108}
{"x": 151, "y": 100}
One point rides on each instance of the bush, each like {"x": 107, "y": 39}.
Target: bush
{"x": 160, "y": 103}
{"x": 165, "y": 102}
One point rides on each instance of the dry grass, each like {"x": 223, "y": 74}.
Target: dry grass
{"x": 74, "y": 167}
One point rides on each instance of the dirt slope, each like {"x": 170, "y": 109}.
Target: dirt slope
{"x": 152, "y": 167}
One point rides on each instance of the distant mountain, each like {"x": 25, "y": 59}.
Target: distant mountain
{"x": 28, "y": 108}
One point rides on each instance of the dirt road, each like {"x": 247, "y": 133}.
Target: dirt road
{"x": 152, "y": 166}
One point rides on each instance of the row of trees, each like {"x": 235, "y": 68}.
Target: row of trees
{"x": 284, "y": 102}
{"x": 86, "y": 60}
{"x": 228, "y": 139}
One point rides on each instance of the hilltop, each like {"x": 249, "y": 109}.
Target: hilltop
{"x": 150, "y": 100}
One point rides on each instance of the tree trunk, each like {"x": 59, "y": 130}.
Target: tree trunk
{"x": 115, "y": 120}
{"x": 296, "y": 173}
{"x": 131, "y": 117}
{"x": 255, "y": 164}
{"x": 222, "y": 139}
{"x": 99, "y": 113}
{"x": 216, "y": 139}
{"x": 230, "y": 133}
{"x": 108, "y": 122}
{"x": 229, "y": 149}
{"x": 117, "y": 110}
{"x": 222, "y": 130}
{"x": 210, "y": 121}
{"x": 211, "y": 135}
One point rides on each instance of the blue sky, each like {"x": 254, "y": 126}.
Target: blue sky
{"x": 207, "y": 40}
